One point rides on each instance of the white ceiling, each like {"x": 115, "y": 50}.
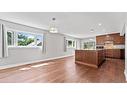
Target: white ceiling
{"x": 77, "y": 24}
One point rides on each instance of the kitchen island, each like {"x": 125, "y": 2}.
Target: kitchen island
{"x": 92, "y": 58}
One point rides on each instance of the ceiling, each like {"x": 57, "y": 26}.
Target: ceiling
{"x": 77, "y": 24}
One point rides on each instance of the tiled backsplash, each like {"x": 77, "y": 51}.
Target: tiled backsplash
{"x": 111, "y": 47}
{"x": 119, "y": 46}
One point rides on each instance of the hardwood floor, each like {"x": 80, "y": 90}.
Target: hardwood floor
{"x": 65, "y": 71}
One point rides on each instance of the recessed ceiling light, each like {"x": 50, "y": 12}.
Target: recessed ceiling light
{"x": 92, "y": 30}
{"x": 99, "y": 24}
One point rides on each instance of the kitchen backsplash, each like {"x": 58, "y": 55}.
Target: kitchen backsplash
{"x": 110, "y": 47}
{"x": 119, "y": 46}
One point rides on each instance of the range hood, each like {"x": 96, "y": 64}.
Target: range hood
{"x": 109, "y": 44}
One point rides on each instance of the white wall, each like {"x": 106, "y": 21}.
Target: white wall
{"x": 54, "y": 48}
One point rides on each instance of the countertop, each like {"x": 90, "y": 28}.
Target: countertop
{"x": 91, "y": 49}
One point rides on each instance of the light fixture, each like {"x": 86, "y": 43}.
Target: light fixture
{"x": 99, "y": 24}
{"x": 53, "y": 28}
{"x": 91, "y": 30}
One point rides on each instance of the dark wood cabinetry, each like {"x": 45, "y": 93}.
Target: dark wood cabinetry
{"x": 115, "y": 53}
{"x": 122, "y": 53}
{"x": 117, "y": 39}
{"x": 100, "y": 40}
{"x": 91, "y": 58}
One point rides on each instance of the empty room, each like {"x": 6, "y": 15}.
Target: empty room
{"x": 63, "y": 47}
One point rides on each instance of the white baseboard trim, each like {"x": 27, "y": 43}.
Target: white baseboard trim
{"x": 31, "y": 62}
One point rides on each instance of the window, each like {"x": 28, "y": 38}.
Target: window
{"x": 74, "y": 43}
{"x": 71, "y": 43}
{"x": 24, "y": 39}
{"x": 39, "y": 40}
{"x": 10, "y": 38}
{"x": 89, "y": 45}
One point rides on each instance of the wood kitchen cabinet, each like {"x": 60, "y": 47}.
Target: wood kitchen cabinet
{"x": 122, "y": 53}
{"x": 115, "y": 53}
{"x": 100, "y": 40}
{"x": 117, "y": 39}
{"x": 92, "y": 58}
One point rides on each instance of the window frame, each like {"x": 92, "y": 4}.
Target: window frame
{"x": 94, "y": 45}
{"x": 74, "y": 45}
{"x": 12, "y": 40}
{"x": 15, "y": 39}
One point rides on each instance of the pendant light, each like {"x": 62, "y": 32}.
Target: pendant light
{"x": 53, "y": 28}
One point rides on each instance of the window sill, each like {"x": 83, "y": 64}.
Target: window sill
{"x": 71, "y": 48}
{"x": 16, "y": 47}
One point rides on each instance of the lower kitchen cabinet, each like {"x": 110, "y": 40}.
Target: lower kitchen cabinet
{"x": 115, "y": 53}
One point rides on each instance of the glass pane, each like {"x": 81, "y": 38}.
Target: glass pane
{"x": 89, "y": 45}
{"x": 26, "y": 39}
{"x": 10, "y": 39}
{"x": 39, "y": 39}
{"x": 73, "y": 43}
{"x": 69, "y": 43}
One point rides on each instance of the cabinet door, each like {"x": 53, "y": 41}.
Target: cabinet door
{"x": 100, "y": 40}
{"x": 116, "y": 53}
{"x": 109, "y": 53}
{"x": 78, "y": 55}
{"x": 122, "y": 53}
{"x": 113, "y": 53}
{"x": 118, "y": 39}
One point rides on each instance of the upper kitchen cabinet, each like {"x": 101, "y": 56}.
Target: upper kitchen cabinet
{"x": 100, "y": 40}
{"x": 116, "y": 38}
